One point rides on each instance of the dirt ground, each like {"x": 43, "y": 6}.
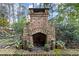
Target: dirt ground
{"x": 56, "y": 52}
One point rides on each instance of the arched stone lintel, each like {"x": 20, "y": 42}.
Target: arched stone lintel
{"x": 38, "y": 32}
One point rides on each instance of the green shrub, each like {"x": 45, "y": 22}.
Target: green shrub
{"x": 30, "y": 45}
{"x": 60, "y": 44}
{"x": 46, "y": 47}
{"x": 19, "y": 25}
{"x": 51, "y": 44}
{"x": 18, "y": 43}
{"x": 24, "y": 42}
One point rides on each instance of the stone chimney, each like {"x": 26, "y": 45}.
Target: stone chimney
{"x": 38, "y": 31}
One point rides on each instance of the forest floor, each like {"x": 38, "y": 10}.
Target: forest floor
{"x": 6, "y": 48}
{"x": 16, "y": 52}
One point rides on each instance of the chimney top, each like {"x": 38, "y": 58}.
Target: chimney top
{"x": 38, "y": 10}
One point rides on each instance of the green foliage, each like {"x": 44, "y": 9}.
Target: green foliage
{"x": 7, "y": 42}
{"x": 19, "y": 25}
{"x": 57, "y": 52}
{"x": 67, "y": 23}
{"x": 29, "y": 44}
{"x": 46, "y": 47}
{"x": 18, "y": 43}
{"x": 3, "y": 22}
{"x": 65, "y": 32}
{"x": 61, "y": 43}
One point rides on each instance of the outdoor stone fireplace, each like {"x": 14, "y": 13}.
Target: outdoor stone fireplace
{"x": 38, "y": 31}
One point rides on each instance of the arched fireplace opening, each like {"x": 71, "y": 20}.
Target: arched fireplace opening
{"x": 39, "y": 39}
